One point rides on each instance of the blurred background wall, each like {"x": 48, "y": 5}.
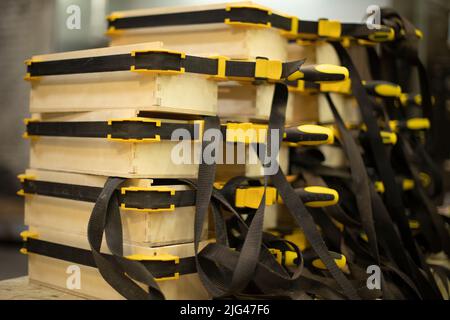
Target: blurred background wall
{"x": 32, "y": 27}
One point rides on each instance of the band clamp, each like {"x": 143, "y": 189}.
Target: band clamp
{"x": 141, "y": 54}
{"x": 171, "y": 192}
{"x": 164, "y": 257}
{"x": 112, "y": 123}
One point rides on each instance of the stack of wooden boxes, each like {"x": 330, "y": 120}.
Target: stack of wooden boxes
{"x": 125, "y": 95}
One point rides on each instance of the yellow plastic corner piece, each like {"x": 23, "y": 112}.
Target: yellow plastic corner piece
{"x": 251, "y": 197}
{"x": 268, "y": 69}
{"x": 293, "y": 32}
{"x": 339, "y": 259}
{"x": 248, "y": 24}
{"x": 23, "y": 176}
{"x": 28, "y": 234}
{"x": 221, "y": 67}
{"x": 158, "y": 257}
{"x": 379, "y": 186}
{"x": 114, "y": 16}
{"x": 325, "y": 191}
{"x": 182, "y": 55}
{"x": 246, "y": 132}
{"x": 28, "y": 76}
{"x": 329, "y": 28}
{"x": 171, "y": 191}
{"x": 156, "y": 138}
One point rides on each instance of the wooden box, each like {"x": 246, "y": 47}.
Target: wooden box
{"x": 218, "y": 39}
{"x": 101, "y": 156}
{"x": 140, "y": 227}
{"x": 150, "y": 91}
{"x": 55, "y": 272}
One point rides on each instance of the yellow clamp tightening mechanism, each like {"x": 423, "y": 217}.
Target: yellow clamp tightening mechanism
{"x": 314, "y": 196}
{"x": 320, "y": 72}
{"x": 410, "y": 124}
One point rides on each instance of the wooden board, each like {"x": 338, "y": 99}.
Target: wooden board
{"x": 185, "y": 93}
{"x": 53, "y": 272}
{"x": 23, "y": 289}
{"x": 141, "y": 228}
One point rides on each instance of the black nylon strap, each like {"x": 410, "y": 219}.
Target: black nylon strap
{"x": 294, "y": 203}
{"x": 140, "y": 199}
{"x": 244, "y": 15}
{"x": 159, "y": 269}
{"x": 130, "y": 129}
{"x": 153, "y": 60}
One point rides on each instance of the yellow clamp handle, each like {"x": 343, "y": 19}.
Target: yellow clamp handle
{"x": 383, "y": 89}
{"x": 309, "y": 135}
{"x": 314, "y": 197}
{"x": 411, "y": 124}
{"x": 319, "y": 73}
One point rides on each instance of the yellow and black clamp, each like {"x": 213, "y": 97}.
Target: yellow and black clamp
{"x": 314, "y": 196}
{"x": 320, "y": 73}
{"x": 407, "y": 99}
{"x": 407, "y": 184}
{"x": 383, "y": 89}
{"x": 308, "y": 135}
{"x": 339, "y": 259}
{"x": 414, "y": 124}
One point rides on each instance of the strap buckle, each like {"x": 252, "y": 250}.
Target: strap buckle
{"x": 171, "y": 192}
{"x": 114, "y": 122}
{"x": 250, "y": 197}
{"x": 163, "y": 257}
{"x": 263, "y": 15}
{"x": 146, "y": 61}
{"x": 266, "y": 69}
